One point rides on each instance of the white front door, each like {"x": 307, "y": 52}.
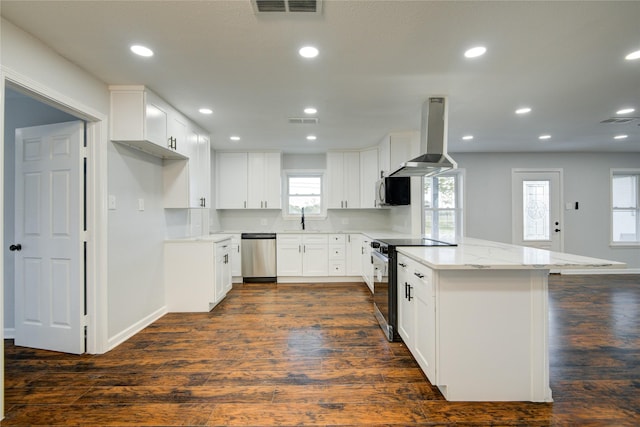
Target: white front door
{"x": 536, "y": 209}
{"x": 49, "y": 215}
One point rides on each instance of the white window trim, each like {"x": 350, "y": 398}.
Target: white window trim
{"x": 286, "y": 173}
{"x": 612, "y": 172}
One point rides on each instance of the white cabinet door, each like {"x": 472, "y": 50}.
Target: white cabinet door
{"x": 236, "y": 256}
{"x": 255, "y": 189}
{"x": 368, "y": 177}
{"x": 425, "y": 334}
{"x": 335, "y": 180}
{"x": 343, "y": 176}
{"x": 396, "y": 148}
{"x": 223, "y": 269}
{"x": 354, "y": 255}
{"x": 272, "y": 181}
{"x": 177, "y": 133}
{"x": 289, "y": 255}
{"x": 231, "y": 184}
{"x": 405, "y": 306}
{"x": 315, "y": 260}
{"x": 367, "y": 264}
{"x": 201, "y": 180}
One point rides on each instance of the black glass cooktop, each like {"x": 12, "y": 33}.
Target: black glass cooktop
{"x": 415, "y": 242}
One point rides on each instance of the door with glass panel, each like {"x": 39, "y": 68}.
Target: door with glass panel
{"x": 536, "y": 210}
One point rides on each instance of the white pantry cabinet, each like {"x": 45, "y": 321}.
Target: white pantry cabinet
{"x": 343, "y": 177}
{"x": 302, "y": 255}
{"x": 197, "y": 274}
{"x": 248, "y": 180}
{"x": 141, "y": 119}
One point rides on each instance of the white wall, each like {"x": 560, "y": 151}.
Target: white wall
{"x": 585, "y": 180}
{"x": 135, "y": 286}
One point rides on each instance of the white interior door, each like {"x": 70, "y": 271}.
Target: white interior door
{"x": 537, "y": 201}
{"x": 49, "y": 266}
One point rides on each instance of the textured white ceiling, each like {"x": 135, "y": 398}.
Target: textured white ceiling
{"x": 378, "y": 61}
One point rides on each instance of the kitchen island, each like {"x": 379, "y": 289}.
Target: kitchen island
{"x": 476, "y": 316}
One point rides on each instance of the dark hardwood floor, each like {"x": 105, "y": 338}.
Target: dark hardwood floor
{"x": 314, "y": 355}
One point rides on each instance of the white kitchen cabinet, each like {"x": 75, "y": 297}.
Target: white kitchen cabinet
{"x": 196, "y": 276}
{"x": 187, "y": 182}
{"x": 367, "y": 262}
{"x": 343, "y": 177}
{"x": 139, "y": 118}
{"x": 231, "y": 182}
{"x": 264, "y": 190}
{"x": 416, "y": 312}
{"x": 248, "y": 180}
{"x": 236, "y": 257}
{"x": 302, "y": 255}
{"x": 337, "y": 255}
{"x": 368, "y": 177}
{"x": 353, "y": 254}
{"x": 396, "y": 148}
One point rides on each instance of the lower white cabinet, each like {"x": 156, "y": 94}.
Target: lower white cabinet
{"x": 416, "y": 312}
{"x": 302, "y": 255}
{"x": 366, "y": 262}
{"x": 353, "y": 254}
{"x": 337, "y": 255}
{"x": 197, "y": 274}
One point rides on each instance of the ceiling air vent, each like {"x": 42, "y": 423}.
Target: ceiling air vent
{"x": 303, "y": 120}
{"x": 620, "y": 120}
{"x": 286, "y": 6}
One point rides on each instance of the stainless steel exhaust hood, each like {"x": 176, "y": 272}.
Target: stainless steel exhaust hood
{"x": 433, "y": 143}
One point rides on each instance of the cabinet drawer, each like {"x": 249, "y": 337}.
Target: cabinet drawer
{"x": 336, "y": 252}
{"x": 315, "y": 238}
{"x": 295, "y": 239}
{"x": 336, "y": 238}
{"x": 422, "y": 282}
{"x": 336, "y": 268}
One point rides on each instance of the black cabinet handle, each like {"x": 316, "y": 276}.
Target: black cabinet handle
{"x": 17, "y": 247}
{"x": 421, "y": 276}
{"x": 402, "y": 264}
{"x": 406, "y": 290}
{"x": 409, "y": 296}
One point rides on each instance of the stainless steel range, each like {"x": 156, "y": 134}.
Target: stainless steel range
{"x": 385, "y": 300}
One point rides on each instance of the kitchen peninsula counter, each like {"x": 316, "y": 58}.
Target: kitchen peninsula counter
{"x": 482, "y": 308}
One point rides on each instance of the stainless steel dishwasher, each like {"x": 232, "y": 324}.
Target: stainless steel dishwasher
{"x": 259, "y": 257}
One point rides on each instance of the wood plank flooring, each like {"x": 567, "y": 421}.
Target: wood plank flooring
{"x": 314, "y": 355}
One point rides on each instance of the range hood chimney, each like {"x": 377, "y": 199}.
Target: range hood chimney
{"x": 433, "y": 143}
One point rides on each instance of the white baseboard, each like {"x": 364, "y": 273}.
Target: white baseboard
{"x": 135, "y": 328}
{"x": 9, "y": 333}
{"x": 322, "y": 279}
{"x": 601, "y": 271}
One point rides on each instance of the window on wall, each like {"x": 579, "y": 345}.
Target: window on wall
{"x": 625, "y": 206}
{"x": 304, "y": 190}
{"x": 443, "y": 206}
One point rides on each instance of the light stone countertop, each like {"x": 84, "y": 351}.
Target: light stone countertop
{"x": 476, "y": 254}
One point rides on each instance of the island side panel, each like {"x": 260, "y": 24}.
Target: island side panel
{"x": 492, "y": 335}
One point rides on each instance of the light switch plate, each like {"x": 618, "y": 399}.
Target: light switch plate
{"x": 140, "y": 205}
{"x": 112, "y": 202}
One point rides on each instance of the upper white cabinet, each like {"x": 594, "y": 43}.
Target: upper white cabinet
{"x": 140, "y": 119}
{"x": 343, "y": 177}
{"x": 368, "y": 177}
{"x": 264, "y": 181}
{"x": 187, "y": 183}
{"x": 248, "y": 180}
{"x": 396, "y": 148}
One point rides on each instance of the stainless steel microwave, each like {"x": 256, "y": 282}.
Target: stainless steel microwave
{"x": 393, "y": 191}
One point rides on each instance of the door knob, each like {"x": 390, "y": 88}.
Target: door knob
{"x": 17, "y": 247}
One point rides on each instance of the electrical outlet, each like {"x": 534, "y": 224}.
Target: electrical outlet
{"x": 140, "y": 205}
{"x": 112, "y": 202}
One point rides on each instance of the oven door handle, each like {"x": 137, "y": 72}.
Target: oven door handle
{"x": 380, "y": 256}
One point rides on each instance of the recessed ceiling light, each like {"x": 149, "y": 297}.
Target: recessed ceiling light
{"x": 141, "y": 50}
{"x": 308, "y": 52}
{"x": 625, "y": 111}
{"x": 234, "y": 138}
{"x": 311, "y": 137}
{"x": 523, "y": 110}
{"x": 310, "y": 110}
{"x": 467, "y": 137}
{"x": 206, "y": 111}
{"x": 633, "y": 55}
{"x": 543, "y": 137}
{"x": 474, "y": 52}
{"x": 621, "y": 137}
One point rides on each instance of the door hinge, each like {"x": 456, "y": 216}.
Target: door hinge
{"x": 85, "y": 320}
{"x": 84, "y": 152}
{"x": 85, "y": 236}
